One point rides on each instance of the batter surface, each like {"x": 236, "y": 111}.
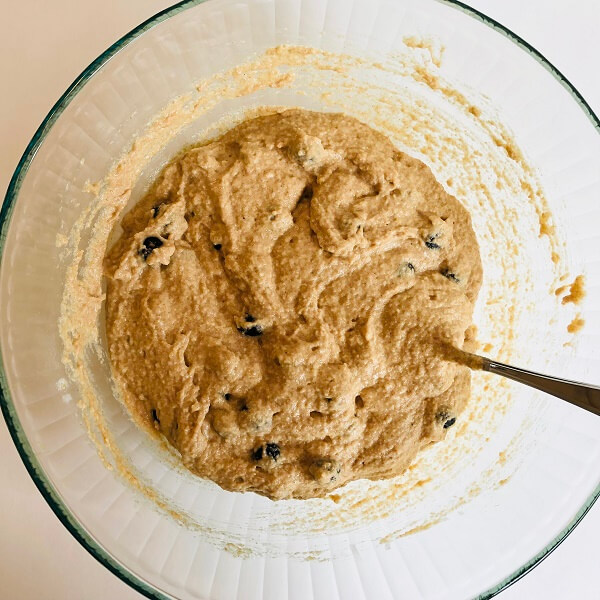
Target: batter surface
{"x": 277, "y": 304}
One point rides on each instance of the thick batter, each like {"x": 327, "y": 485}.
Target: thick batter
{"x": 278, "y": 304}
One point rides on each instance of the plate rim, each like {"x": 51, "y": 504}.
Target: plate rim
{"x": 32, "y": 465}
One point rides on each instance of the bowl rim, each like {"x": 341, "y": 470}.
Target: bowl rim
{"x": 37, "y": 474}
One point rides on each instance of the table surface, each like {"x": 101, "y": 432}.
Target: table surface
{"x": 43, "y": 46}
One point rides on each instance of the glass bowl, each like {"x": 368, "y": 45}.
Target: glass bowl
{"x": 499, "y": 509}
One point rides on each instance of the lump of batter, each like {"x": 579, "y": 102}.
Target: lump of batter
{"x": 277, "y": 305}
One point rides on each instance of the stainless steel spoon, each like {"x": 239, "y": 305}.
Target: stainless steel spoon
{"x": 580, "y": 394}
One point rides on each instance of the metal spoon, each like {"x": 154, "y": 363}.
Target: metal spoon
{"x": 580, "y": 394}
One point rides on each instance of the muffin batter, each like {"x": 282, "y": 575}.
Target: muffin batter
{"x": 277, "y": 305}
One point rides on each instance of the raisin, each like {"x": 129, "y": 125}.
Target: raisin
{"x": 443, "y": 416}
{"x": 253, "y": 331}
{"x": 257, "y": 454}
{"x": 431, "y": 243}
{"x": 272, "y": 450}
{"x": 449, "y": 275}
{"x": 217, "y": 246}
{"x": 155, "y": 416}
{"x": 150, "y": 244}
{"x": 227, "y": 396}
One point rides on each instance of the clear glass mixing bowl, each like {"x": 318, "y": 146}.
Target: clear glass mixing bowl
{"x": 490, "y": 539}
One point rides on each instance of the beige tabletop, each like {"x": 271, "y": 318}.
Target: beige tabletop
{"x": 43, "y": 47}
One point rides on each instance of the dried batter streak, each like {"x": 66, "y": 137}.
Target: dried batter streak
{"x": 277, "y": 302}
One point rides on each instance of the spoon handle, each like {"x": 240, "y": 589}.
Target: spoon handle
{"x": 580, "y": 394}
